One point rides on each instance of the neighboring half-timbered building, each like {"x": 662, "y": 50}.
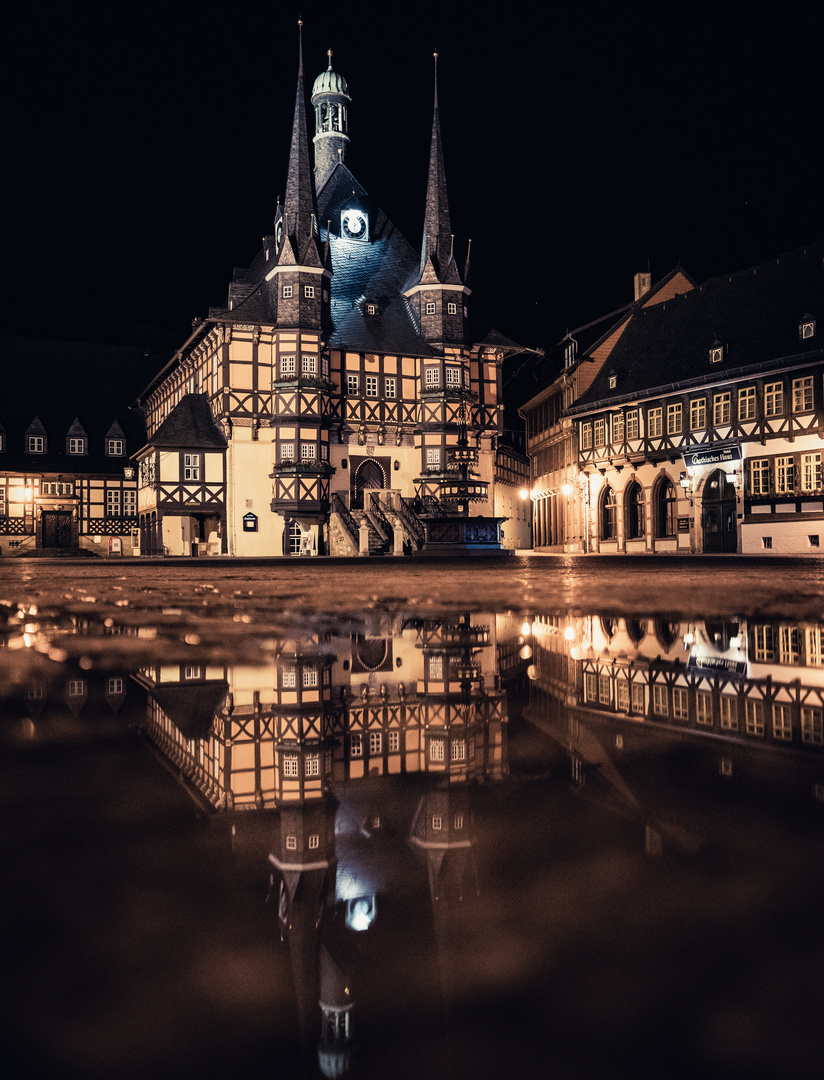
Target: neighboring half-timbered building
{"x": 354, "y": 384}
{"x": 701, "y": 429}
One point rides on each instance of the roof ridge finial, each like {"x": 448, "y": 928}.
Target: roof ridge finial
{"x": 329, "y": 54}
{"x": 300, "y": 46}
{"x": 435, "y": 55}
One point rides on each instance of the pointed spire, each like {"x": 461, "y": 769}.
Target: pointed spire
{"x": 300, "y": 210}
{"x": 436, "y": 249}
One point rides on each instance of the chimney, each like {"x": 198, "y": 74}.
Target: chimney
{"x": 643, "y": 284}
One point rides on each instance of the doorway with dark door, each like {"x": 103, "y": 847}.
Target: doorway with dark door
{"x": 718, "y": 515}
{"x": 57, "y": 529}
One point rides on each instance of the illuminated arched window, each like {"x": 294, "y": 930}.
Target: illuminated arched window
{"x": 634, "y": 511}
{"x": 608, "y": 514}
{"x": 666, "y": 506}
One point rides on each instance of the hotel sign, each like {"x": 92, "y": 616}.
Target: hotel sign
{"x": 720, "y": 454}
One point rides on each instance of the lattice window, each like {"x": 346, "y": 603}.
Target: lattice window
{"x": 746, "y": 403}
{"x": 698, "y": 413}
{"x": 774, "y": 399}
{"x": 784, "y": 475}
{"x": 760, "y": 476}
{"x": 674, "y": 419}
{"x": 721, "y": 409}
{"x": 803, "y": 394}
{"x": 654, "y": 423}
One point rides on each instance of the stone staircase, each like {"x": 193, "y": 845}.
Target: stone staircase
{"x": 385, "y": 525}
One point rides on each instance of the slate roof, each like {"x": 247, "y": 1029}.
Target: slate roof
{"x": 60, "y": 382}
{"x": 754, "y": 313}
{"x": 190, "y": 424}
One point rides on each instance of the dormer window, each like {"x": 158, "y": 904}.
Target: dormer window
{"x": 613, "y": 381}
{"x": 36, "y": 444}
{"x": 806, "y": 327}
{"x": 716, "y": 352}
{"x": 77, "y": 446}
{"x": 114, "y": 447}
{"x": 371, "y": 309}
{"x": 570, "y": 352}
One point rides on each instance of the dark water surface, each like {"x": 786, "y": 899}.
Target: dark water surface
{"x": 535, "y": 817}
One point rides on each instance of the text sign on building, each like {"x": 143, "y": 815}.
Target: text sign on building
{"x": 720, "y": 454}
{"x": 250, "y": 522}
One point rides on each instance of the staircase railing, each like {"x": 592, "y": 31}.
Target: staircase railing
{"x": 409, "y": 520}
{"x": 377, "y": 517}
{"x": 348, "y": 522}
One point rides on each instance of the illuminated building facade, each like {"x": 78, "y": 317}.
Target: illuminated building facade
{"x": 696, "y": 419}
{"x": 343, "y": 374}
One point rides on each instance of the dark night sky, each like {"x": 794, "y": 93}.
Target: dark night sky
{"x": 144, "y": 155}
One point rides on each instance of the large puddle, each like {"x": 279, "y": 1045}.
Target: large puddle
{"x": 551, "y": 818}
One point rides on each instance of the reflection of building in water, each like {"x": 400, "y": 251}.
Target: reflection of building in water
{"x": 346, "y": 763}
{"x": 423, "y": 697}
{"x": 751, "y": 684}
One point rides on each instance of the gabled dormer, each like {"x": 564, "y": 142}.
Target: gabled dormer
{"x": 77, "y": 441}
{"x": 36, "y": 438}
{"x": 115, "y": 441}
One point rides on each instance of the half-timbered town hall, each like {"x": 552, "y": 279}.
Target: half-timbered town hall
{"x": 345, "y": 398}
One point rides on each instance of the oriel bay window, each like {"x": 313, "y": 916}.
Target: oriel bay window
{"x": 287, "y": 366}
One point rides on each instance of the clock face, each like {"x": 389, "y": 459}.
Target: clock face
{"x": 353, "y": 224}
{"x": 278, "y": 235}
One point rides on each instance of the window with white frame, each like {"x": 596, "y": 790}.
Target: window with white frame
{"x": 291, "y": 764}
{"x": 309, "y": 292}
{"x": 191, "y": 466}
{"x": 291, "y": 843}
{"x": 452, "y": 308}
{"x": 114, "y": 685}
{"x": 432, "y": 378}
{"x": 129, "y": 502}
{"x": 746, "y": 403}
{"x": 729, "y": 712}
{"x": 289, "y": 678}
{"x": 812, "y": 725}
{"x": 764, "y": 641}
{"x": 810, "y": 472}
{"x": 311, "y": 765}
{"x": 680, "y": 706}
{"x": 287, "y": 365}
{"x": 654, "y": 422}
{"x": 371, "y": 309}
{"x": 114, "y": 447}
{"x": 773, "y": 399}
{"x": 394, "y": 742}
{"x": 77, "y": 687}
{"x": 803, "y": 394}
{"x": 192, "y": 671}
{"x": 314, "y": 841}
{"x": 754, "y": 716}
{"x": 622, "y": 694}
{"x": 436, "y": 666}
{"x": 586, "y": 436}
{"x": 309, "y": 365}
{"x": 433, "y": 457}
{"x": 389, "y": 386}
{"x": 112, "y": 502}
{"x": 77, "y": 446}
{"x": 674, "y": 418}
{"x": 307, "y": 451}
{"x": 375, "y": 743}
{"x": 430, "y": 307}
{"x": 660, "y": 704}
{"x": 436, "y": 750}
{"x": 457, "y": 750}
{"x": 618, "y": 427}
{"x": 36, "y": 444}
{"x": 721, "y": 409}
{"x": 789, "y": 644}
{"x": 2, "y": 500}
{"x": 287, "y": 451}
{"x": 599, "y": 432}
{"x": 703, "y": 707}
{"x": 309, "y": 677}
{"x": 814, "y": 646}
{"x": 287, "y": 292}
{"x": 453, "y": 375}
{"x": 632, "y": 424}
{"x": 760, "y": 476}
{"x": 356, "y": 744}
{"x": 437, "y": 822}
{"x": 371, "y": 385}
{"x": 782, "y": 721}
{"x": 784, "y": 475}
{"x": 352, "y": 383}
{"x": 698, "y": 413}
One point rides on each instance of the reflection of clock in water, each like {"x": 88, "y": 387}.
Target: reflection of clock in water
{"x": 353, "y": 224}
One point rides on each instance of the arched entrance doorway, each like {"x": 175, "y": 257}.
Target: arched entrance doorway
{"x": 718, "y": 514}
{"x": 369, "y": 474}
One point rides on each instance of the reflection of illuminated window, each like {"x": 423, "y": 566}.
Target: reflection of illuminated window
{"x": 603, "y": 689}
{"x": 289, "y": 677}
{"x": 659, "y": 700}
{"x": 754, "y": 717}
{"x": 290, "y": 765}
{"x": 590, "y": 686}
{"x": 77, "y": 687}
{"x": 622, "y": 695}
{"x": 436, "y": 667}
{"x": 812, "y": 726}
{"x": 782, "y": 721}
{"x": 314, "y": 841}
{"x": 374, "y": 742}
{"x": 191, "y": 671}
{"x": 114, "y": 685}
{"x": 764, "y": 645}
{"x": 356, "y": 745}
{"x": 457, "y": 750}
{"x": 789, "y": 645}
{"x": 637, "y": 690}
{"x": 436, "y": 750}
{"x": 394, "y": 741}
{"x": 703, "y": 707}
{"x": 291, "y": 843}
{"x": 312, "y": 765}
{"x": 458, "y": 821}
{"x": 310, "y": 676}
{"x": 437, "y": 822}
{"x": 815, "y": 646}
{"x": 729, "y": 713}
{"x": 680, "y": 708}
